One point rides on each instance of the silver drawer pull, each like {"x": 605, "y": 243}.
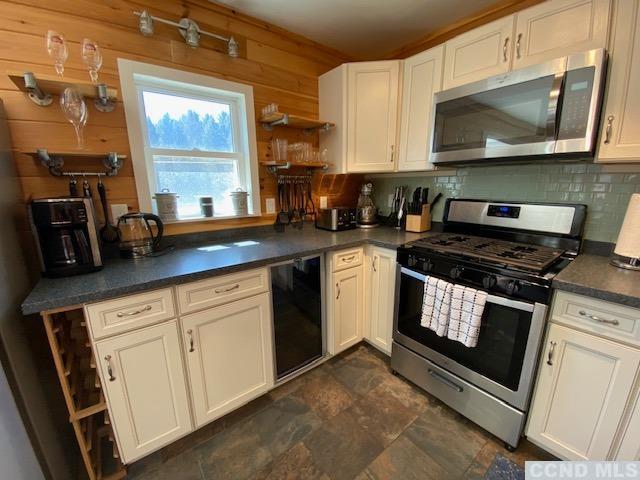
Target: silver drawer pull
{"x": 109, "y": 369}
{"x": 338, "y": 289}
{"x": 349, "y": 259}
{"x": 607, "y": 130}
{"x": 446, "y": 381}
{"x": 373, "y": 264}
{"x": 134, "y": 312}
{"x": 190, "y": 333}
{"x": 228, "y": 289}
{"x": 550, "y": 355}
{"x": 598, "y": 319}
{"x": 505, "y": 48}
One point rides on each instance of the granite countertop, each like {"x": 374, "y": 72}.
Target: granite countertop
{"x": 188, "y": 263}
{"x": 593, "y": 276}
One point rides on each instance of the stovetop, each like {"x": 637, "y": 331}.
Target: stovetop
{"x": 511, "y": 255}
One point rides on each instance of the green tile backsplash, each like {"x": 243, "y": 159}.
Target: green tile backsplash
{"x": 604, "y": 189}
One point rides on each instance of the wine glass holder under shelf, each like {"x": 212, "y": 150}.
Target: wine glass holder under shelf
{"x": 41, "y": 90}
{"x": 54, "y": 162}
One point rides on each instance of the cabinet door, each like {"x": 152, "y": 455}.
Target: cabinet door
{"x": 348, "y": 306}
{"x": 380, "y": 287}
{"x": 478, "y": 54}
{"x": 372, "y": 109}
{"x": 629, "y": 449}
{"x": 229, "y": 355}
{"x": 580, "y": 398}
{"x": 422, "y": 77}
{"x": 144, "y": 383}
{"x": 620, "y": 130}
{"x": 560, "y": 27}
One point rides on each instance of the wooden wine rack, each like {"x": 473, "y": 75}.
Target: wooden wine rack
{"x": 82, "y": 391}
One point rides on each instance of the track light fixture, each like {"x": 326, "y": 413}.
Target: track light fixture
{"x": 188, "y": 28}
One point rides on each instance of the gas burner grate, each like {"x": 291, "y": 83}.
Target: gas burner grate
{"x": 488, "y": 250}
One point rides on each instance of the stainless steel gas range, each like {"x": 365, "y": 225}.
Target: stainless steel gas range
{"x": 511, "y": 251}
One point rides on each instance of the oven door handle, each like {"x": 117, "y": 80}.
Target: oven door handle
{"x": 505, "y": 302}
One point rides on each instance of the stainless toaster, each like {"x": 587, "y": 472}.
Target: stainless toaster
{"x": 336, "y": 218}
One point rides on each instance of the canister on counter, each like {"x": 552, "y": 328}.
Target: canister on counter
{"x": 240, "y": 203}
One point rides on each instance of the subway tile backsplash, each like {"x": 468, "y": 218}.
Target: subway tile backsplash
{"x": 605, "y": 189}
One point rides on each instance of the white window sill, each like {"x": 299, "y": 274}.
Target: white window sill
{"x": 209, "y": 219}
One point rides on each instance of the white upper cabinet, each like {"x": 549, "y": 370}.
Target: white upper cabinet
{"x": 479, "y": 53}
{"x": 422, "y": 77}
{"x": 620, "y": 129}
{"x": 557, "y": 28}
{"x": 582, "y": 390}
{"x": 229, "y": 355}
{"x": 362, "y": 100}
{"x": 144, "y": 382}
{"x": 372, "y": 110}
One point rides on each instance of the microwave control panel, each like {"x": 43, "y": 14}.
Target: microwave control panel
{"x": 576, "y": 101}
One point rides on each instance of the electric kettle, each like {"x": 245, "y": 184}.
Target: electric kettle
{"x": 136, "y": 236}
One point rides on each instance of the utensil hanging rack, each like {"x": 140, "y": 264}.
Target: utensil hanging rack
{"x": 41, "y": 90}
{"x": 112, "y": 162}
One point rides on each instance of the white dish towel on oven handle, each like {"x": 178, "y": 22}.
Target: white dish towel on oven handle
{"x": 467, "y": 307}
{"x": 435, "y": 305}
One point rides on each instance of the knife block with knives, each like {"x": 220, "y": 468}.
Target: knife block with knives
{"x": 419, "y": 223}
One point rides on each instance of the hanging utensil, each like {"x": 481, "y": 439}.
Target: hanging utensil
{"x": 435, "y": 200}
{"x": 73, "y": 186}
{"x": 278, "y": 225}
{"x": 109, "y": 232}
{"x": 86, "y": 188}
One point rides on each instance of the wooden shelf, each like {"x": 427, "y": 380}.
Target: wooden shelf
{"x": 55, "y": 85}
{"x": 54, "y": 161}
{"x": 295, "y": 164}
{"x": 293, "y": 121}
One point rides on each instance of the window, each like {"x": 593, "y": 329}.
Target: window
{"x": 191, "y": 135}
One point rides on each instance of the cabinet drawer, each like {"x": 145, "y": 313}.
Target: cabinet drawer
{"x": 127, "y": 313}
{"x": 603, "y": 318}
{"x": 347, "y": 259}
{"x": 218, "y": 290}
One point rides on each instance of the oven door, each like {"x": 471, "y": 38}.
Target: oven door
{"x": 503, "y": 363}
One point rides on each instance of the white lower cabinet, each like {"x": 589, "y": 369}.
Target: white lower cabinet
{"x": 580, "y": 398}
{"x": 629, "y": 448}
{"x": 229, "y": 355}
{"x": 380, "y": 284}
{"x": 145, "y": 387}
{"x": 345, "y": 309}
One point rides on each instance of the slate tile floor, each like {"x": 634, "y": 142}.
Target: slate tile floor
{"x": 349, "y": 418}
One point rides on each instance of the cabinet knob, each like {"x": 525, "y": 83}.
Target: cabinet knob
{"x": 109, "y": 369}
{"x": 550, "y": 355}
{"x": 607, "y": 131}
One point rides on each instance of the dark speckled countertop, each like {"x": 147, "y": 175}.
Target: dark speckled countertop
{"x": 593, "y": 276}
{"x": 122, "y": 277}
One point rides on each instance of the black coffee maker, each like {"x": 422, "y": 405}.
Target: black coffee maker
{"x": 66, "y": 236}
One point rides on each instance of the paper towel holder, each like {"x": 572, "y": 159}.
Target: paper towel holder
{"x": 629, "y": 263}
{"x": 626, "y": 253}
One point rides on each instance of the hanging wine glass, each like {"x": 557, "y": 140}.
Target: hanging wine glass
{"x": 57, "y": 49}
{"x": 75, "y": 110}
{"x": 92, "y": 58}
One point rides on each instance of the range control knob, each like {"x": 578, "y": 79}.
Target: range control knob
{"x": 412, "y": 261}
{"x": 427, "y": 265}
{"x": 489, "y": 281}
{"x": 456, "y": 272}
{"x": 512, "y": 287}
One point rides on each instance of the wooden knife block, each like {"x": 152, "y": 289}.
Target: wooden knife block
{"x": 419, "y": 223}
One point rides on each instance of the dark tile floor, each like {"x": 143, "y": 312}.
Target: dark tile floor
{"x": 349, "y": 418}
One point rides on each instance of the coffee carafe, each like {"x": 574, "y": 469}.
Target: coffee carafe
{"x": 367, "y": 210}
{"x": 136, "y": 235}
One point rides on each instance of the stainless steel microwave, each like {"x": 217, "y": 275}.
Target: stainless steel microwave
{"x": 546, "y": 110}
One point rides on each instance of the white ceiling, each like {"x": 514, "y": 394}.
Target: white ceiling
{"x": 365, "y": 29}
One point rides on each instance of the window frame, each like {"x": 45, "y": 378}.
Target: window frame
{"x": 137, "y": 77}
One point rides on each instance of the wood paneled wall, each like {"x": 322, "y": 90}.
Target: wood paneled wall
{"x": 282, "y": 67}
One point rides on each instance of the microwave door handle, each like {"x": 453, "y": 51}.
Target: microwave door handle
{"x": 554, "y": 106}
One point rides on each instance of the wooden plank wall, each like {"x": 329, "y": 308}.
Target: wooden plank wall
{"x": 282, "y": 67}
